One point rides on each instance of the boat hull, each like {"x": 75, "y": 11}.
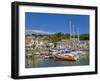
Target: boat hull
{"x": 65, "y": 57}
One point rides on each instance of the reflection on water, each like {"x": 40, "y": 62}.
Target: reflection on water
{"x": 40, "y": 61}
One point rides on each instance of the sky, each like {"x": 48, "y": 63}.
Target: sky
{"x": 54, "y": 23}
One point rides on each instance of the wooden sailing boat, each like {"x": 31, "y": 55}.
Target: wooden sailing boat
{"x": 67, "y": 56}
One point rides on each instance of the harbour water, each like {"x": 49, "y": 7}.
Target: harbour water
{"x": 37, "y": 61}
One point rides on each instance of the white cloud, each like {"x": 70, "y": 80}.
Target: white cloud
{"x": 37, "y": 32}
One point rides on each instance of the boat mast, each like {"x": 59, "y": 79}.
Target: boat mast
{"x": 78, "y": 34}
{"x": 73, "y": 32}
{"x": 70, "y": 29}
{"x": 78, "y": 38}
{"x": 73, "y": 36}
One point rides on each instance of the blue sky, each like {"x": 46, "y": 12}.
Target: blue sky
{"x": 56, "y": 22}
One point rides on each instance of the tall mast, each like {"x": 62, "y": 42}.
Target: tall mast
{"x": 73, "y": 32}
{"x": 78, "y": 33}
{"x": 70, "y": 29}
{"x": 73, "y": 35}
{"x": 78, "y": 38}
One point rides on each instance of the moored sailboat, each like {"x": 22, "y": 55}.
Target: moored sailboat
{"x": 66, "y": 57}
{"x": 72, "y": 55}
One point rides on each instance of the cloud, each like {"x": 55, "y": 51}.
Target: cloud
{"x": 37, "y": 32}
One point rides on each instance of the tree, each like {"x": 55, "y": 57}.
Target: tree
{"x": 84, "y": 37}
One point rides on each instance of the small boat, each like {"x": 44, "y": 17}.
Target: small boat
{"x": 29, "y": 55}
{"x": 48, "y": 56}
{"x": 66, "y": 57}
